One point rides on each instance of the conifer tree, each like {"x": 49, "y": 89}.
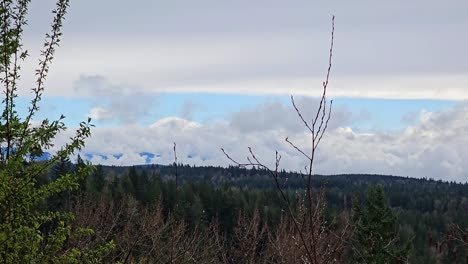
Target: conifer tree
{"x": 376, "y": 239}
{"x": 99, "y": 178}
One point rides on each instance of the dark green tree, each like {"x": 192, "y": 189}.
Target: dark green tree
{"x": 60, "y": 200}
{"x": 28, "y": 232}
{"x": 80, "y": 164}
{"x": 62, "y": 167}
{"x": 376, "y": 238}
{"x": 127, "y": 185}
{"x": 143, "y": 188}
{"x": 134, "y": 178}
{"x": 99, "y": 179}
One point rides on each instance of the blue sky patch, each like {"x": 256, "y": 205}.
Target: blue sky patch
{"x": 380, "y": 114}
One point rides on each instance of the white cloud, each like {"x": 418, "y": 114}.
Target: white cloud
{"x": 246, "y": 67}
{"x": 174, "y": 123}
{"x": 274, "y": 116}
{"x": 433, "y": 147}
{"x": 396, "y": 50}
{"x": 99, "y": 113}
{"x": 122, "y": 103}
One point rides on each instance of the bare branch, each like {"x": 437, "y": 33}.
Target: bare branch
{"x": 326, "y": 125}
{"x": 278, "y": 160}
{"x": 323, "y": 101}
{"x": 300, "y": 115}
{"x": 231, "y": 159}
{"x": 297, "y": 148}
{"x": 175, "y": 165}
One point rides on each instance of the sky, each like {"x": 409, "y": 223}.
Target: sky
{"x": 219, "y": 74}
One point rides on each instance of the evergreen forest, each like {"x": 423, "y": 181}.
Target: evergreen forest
{"x": 425, "y": 217}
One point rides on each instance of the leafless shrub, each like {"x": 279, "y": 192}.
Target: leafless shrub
{"x": 453, "y": 245}
{"x": 249, "y": 239}
{"x": 143, "y": 234}
{"x": 458, "y": 234}
{"x": 102, "y": 215}
{"x": 285, "y": 244}
{"x": 220, "y": 242}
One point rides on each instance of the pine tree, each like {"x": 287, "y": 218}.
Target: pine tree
{"x": 99, "y": 178}
{"x": 134, "y": 178}
{"x": 376, "y": 239}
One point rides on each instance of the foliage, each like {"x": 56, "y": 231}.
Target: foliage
{"x": 376, "y": 238}
{"x": 29, "y": 232}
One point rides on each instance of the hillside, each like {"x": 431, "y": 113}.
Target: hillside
{"x": 425, "y": 208}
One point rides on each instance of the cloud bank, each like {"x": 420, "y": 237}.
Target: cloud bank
{"x": 392, "y": 50}
{"x": 435, "y": 146}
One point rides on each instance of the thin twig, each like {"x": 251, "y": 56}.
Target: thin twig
{"x": 326, "y": 125}
{"x": 300, "y": 114}
{"x": 297, "y": 148}
{"x": 175, "y": 164}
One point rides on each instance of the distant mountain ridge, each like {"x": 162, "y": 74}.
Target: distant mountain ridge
{"x": 234, "y": 174}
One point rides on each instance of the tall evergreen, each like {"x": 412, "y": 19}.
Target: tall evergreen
{"x": 376, "y": 238}
{"x": 99, "y": 178}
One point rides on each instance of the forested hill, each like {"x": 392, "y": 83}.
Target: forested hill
{"x": 425, "y": 209}
{"x": 422, "y": 194}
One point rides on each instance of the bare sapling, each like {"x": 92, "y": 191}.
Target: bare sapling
{"x": 314, "y": 240}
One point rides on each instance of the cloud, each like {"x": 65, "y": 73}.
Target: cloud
{"x": 98, "y": 113}
{"x": 174, "y": 123}
{"x": 189, "y": 109}
{"x": 250, "y": 65}
{"x": 277, "y": 116}
{"x": 122, "y": 103}
{"x": 434, "y": 146}
{"x": 394, "y": 50}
